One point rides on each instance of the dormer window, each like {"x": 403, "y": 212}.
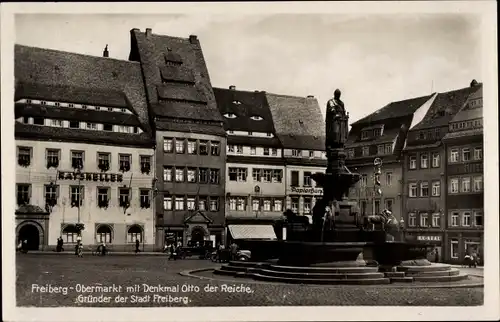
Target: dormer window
{"x": 58, "y": 104}
{"x": 84, "y": 107}
{"x": 71, "y": 105}
{"x": 110, "y": 109}
{"x": 97, "y": 108}
{"x": 123, "y": 110}
{"x": 28, "y": 101}
{"x": 256, "y": 118}
{"x": 230, "y": 116}
{"x": 237, "y": 102}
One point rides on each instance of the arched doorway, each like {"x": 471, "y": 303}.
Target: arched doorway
{"x": 198, "y": 235}
{"x": 31, "y": 234}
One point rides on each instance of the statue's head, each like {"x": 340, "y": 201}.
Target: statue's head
{"x": 336, "y": 94}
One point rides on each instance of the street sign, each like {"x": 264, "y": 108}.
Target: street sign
{"x": 377, "y": 162}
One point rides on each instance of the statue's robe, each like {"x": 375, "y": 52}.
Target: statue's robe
{"x": 335, "y": 127}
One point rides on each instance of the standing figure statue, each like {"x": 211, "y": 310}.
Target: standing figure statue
{"x": 336, "y": 122}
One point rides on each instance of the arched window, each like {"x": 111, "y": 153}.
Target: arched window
{"x": 134, "y": 233}
{"x": 103, "y": 234}
{"x": 69, "y": 234}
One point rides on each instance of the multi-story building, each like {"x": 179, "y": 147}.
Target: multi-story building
{"x": 255, "y": 183}
{"x": 84, "y": 150}
{"x": 382, "y": 135}
{"x": 424, "y": 168}
{"x": 464, "y": 180}
{"x": 300, "y": 128}
{"x": 190, "y": 138}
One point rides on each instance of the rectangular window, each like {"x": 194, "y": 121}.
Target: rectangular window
{"x": 307, "y": 179}
{"x": 239, "y": 149}
{"x": 125, "y": 162}
{"x": 191, "y": 203}
{"x": 363, "y": 207}
{"x": 167, "y": 203}
{"x": 454, "y": 248}
{"x": 454, "y": 186}
{"x": 23, "y": 194}
{"x": 232, "y": 203}
{"x": 242, "y": 174}
{"x": 454, "y": 219}
{"x": 278, "y": 205}
{"x": 230, "y": 148}
{"x": 388, "y": 148}
{"x": 350, "y": 153}
{"x": 52, "y": 158}
{"x": 380, "y": 149}
{"x": 478, "y": 153}
{"x": 364, "y": 180}
{"x": 168, "y": 145}
{"x": 478, "y": 218}
{"x": 144, "y": 198}
{"x": 274, "y": 152}
{"x": 436, "y": 188}
{"x": 466, "y": 184}
{"x": 311, "y": 154}
{"x": 76, "y": 195}
{"x": 124, "y": 197}
{"x": 277, "y": 175}
{"x": 465, "y": 154}
{"x": 240, "y": 204}
{"x": 295, "y": 205}
{"x": 191, "y": 175}
{"x": 295, "y": 179}
{"x": 214, "y": 148}
{"x": 424, "y": 161}
{"x": 307, "y": 205}
{"x": 51, "y": 194}
{"x": 103, "y": 197}
{"x": 413, "y": 162}
{"x": 179, "y": 175}
{"x": 412, "y": 190}
{"x": 377, "y": 206}
{"x": 388, "y": 204}
{"x": 214, "y": 204}
{"x": 466, "y": 217}
{"x": 255, "y": 204}
{"x": 93, "y": 126}
{"x": 267, "y": 175}
{"x": 203, "y": 147}
{"x": 192, "y": 147}
{"x": 167, "y": 174}
{"x": 145, "y": 164}
{"x": 77, "y": 159}
{"x": 24, "y": 156}
{"x": 56, "y": 123}
{"x": 388, "y": 178}
{"x": 436, "y": 160}
{"x": 202, "y": 175}
{"x": 478, "y": 183}
{"x": 103, "y": 161}
{"x": 266, "y": 151}
{"x": 256, "y": 174}
{"x": 179, "y": 145}
{"x": 365, "y": 151}
{"x": 424, "y": 189}
{"x": 454, "y": 155}
{"x": 436, "y": 220}
{"x": 267, "y": 204}
{"x": 253, "y": 150}
{"x": 296, "y": 153}
{"x": 179, "y": 203}
{"x": 214, "y": 176}
{"x": 105, "y": 127}
{"x": 412, "y": 219}
{"x": 41, "y": 121}
{"x": 424, "y": 219}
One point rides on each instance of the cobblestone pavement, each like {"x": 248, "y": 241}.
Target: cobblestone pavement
{"x": 70, "y": 273}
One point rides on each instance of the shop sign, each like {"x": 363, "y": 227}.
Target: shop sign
{"x": 309, "y": 191}
{"x": 429, "y": 238}
{"x": 90, "y": 176}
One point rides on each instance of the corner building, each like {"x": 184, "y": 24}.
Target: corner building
{"x": 190, "y": 138}
{"x": 84, "y": 151}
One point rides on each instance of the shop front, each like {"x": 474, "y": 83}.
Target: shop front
{"x": 465, "y": 243}
{"x": 433, "y": 238}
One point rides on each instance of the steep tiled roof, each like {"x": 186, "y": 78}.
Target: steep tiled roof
{"x": 395, "y": 110}
{"x": 169, "y": 65}
{"x": 444, "y": 107}
{"x": 463, "y": 134}
{"x": 298, "y": 121}
{"x": 63, "y": 76}
{"x": 244, "y": 105}
{"x": 469, "y": 112}
{"x": 387, "y": 136}
{"x": 254, "y": 141}
{"x": 170, "y": 125}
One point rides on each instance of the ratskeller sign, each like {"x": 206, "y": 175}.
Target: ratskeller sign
{"x": 90, "y": 176}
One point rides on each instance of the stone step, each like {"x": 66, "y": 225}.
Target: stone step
{"x": 244, "y": 263}
{"x": 339, "y": 270}
{"x": 314, "y": 275}
{"x": 394, "y": 274}
{"x": 403, "y": 279}
{"x": 234, "y": 268}
{"x": 451, "y": 272}
{"x": 440, "y": 278}
{"x": 224, "y": 272}
{"x": 325, "y": 281}
{"x": 428, "y": 268}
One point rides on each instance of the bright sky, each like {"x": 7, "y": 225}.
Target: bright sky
{"x": 373, "y": 59}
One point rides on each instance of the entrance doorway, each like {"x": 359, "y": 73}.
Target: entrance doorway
{"x": 197, "y": 235}
{"x": 30, "y": 233}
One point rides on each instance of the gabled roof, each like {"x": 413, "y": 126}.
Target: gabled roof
{"x": 62, "y": 76}
{"x": 298, "y": 121}
{"x": 244, "y": 105}
{"x": 468, "y": 112}
{"x": 170, "y": 65}
{"x": 445, "y": 106}
{"x": 395, "y": 110}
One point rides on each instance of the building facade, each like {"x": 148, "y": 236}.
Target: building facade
{"x": 424, "y": 196}
{"x": 382, "y": 135}
{"x": 84, "y": 151}
{"x": 464, "y": 190}
{"x": 189, "y": 136}
{"x": 300, "y": 128}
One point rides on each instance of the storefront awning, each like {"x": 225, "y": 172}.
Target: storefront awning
{"x": 252, "y": 231}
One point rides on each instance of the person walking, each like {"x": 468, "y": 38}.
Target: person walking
{"x": 137, "y": 246}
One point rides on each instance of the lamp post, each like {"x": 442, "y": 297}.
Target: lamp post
{"x": 77, "y": 172}
{"x": 402, "y": 227}
{"x": 376, "y": 181}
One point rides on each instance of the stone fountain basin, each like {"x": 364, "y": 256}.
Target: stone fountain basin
{"x": 394, "y": 253}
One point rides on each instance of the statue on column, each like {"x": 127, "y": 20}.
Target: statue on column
{"x": 336, "y": 122}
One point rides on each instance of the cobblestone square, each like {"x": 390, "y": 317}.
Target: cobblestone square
{"x": 37, "y": 273}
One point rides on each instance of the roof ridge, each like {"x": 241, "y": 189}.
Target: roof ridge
{"x": 409, "y": 99}
{"x": 238, "y": 90}
{"x": 77, "y": 54}
{"x": 289, "y": 96}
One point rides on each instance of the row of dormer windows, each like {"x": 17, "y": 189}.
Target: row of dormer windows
{"x": 382, "y": 149}
{"x": 80, "y": 125}
{"x": 466, "y": 125}
{"x": 74, "y": 105}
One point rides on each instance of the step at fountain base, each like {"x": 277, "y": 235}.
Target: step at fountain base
{"x": 435, "y": 273}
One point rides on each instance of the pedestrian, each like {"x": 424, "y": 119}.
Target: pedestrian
{"x": 474, "y": 259}
{"x": 137, "y": 245}
{"x": 62, "y": 243}
{"x": 234, "y": 250}
{"x": 24, "y": 247}
{"x": 436, "y": 259}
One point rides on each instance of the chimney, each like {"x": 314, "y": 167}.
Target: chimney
{"x": 136, "y": 29}
{"x": 193, "y": 39}
{"x": 232, "y": 87}
{"x": 149, "y": 31}
{"x": 474, "y": 83}
{"x": 105, "y": 53}
{"x": 310, "y": 96}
